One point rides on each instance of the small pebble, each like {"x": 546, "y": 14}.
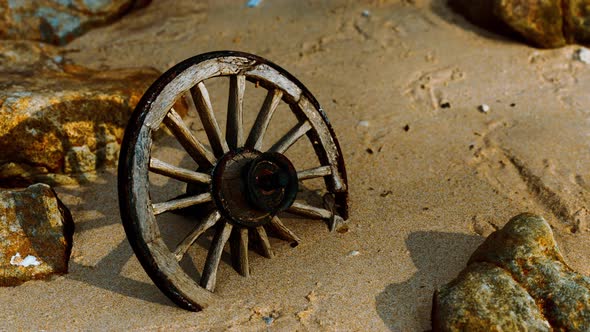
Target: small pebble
{"x": 366, "y": 13}
{"x": 354, "y": 253}
{"x": 363, "y": 123}
{"x": 268, "y": 320}
{"x": 582, "y": 54}
{"x": 484, "y": 108}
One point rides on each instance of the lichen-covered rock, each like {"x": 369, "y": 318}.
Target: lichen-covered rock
{"x": 36, "y": 232}
{"x": 526, "y": 252}
{"x": 577, "y": 21}
{"x": 485, "y": 298}
{"x": 545, "y": 23}
{"x": 58, "y": 21}
{"x": 60, "y": 118}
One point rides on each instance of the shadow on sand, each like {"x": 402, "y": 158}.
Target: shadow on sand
{"x": 107, "y": 273}
{"x": 486, "y": 26}
{"x": 438, "y": 258}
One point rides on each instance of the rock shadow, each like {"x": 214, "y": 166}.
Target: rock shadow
{"x": 438, "y": 257}
{"x": 488, "y": 27}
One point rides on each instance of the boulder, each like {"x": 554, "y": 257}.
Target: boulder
{"x": 58, "y": 21}
{"x": 36, "y": 232}
{"x": 485, "y": 298}
{"x": 544, "y": 23}
{"x": 577, "y": 21}
{"x": 517, "y": 279}
{"x": 59, "y": 118}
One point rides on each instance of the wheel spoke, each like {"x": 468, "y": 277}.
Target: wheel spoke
{"x": 234, "y": 132}
{"x": 309, "y": 211}
{"x": 178, "y": 173}
{"x": 188, "y": 241}
{"x": 239, "y": 250}
{"x": 291, "y": 137}
{"x": 283, "y": 231}
{"x": 180, "y": 203}
{"x": 203, "y": 103}
{"x": 200, "y": 154}
{"x": 263, "y": 119}
{"x": 214, "y": 256}
{"x": 265, "y": 243}
{"x": 314, "y": 173}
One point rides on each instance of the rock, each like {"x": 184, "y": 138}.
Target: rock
{"x": 59, "y": 118}
{"x": 517, "y": 278}
{"x": 58, "y": 21}
{"x": 576, "y": 22}
{"x": 544, "y": 23}
{"x": 36, "y": 232}
{"x": 485, "y": 298}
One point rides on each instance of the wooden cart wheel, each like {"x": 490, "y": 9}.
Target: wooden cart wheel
{"x": 245, "y": 188}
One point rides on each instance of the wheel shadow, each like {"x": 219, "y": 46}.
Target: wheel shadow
{"x": 108, "y": 272}
{"x": 438, "y": 257}
{"x": 93, "y": 194}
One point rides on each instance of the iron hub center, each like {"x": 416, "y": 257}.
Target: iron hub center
{"x": 250, "y": 187}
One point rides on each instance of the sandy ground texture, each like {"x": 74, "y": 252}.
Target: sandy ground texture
{"x": 429, "y": 174}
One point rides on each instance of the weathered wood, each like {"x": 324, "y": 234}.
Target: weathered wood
{"x": 200, "y": 154}
{"x": 203, "y": 103}
{"x": 309, "y": 211}
{"x": 160, "y": 262}
{"x": 163, "y": 168}
{"x": 209, "y": 276}
{"x": 264, "y": 242}
{"x": 268, "y": 108}
{"x": 234, "y": 132}
{"x": 183, "y": 81}
{"x": 180, "y": 203}
{"x": 188, "y": 241}
{"x": 180, "y": 282}
{"x": 291, "y": 137}
{"x": 330, "y": 151}
{"x": 313, "y": 173}
{"x": 239, "y": 250}
{"x": 264, "y": 72}
{"x": 283, "y": 231}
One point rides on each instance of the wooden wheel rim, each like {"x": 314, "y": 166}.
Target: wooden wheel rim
{"x": 136, "y": 208}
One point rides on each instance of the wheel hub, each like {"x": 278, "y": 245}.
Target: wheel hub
{"x": 250, "y": 187}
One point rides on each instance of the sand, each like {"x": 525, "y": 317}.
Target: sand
{"x": 429, "y": 174}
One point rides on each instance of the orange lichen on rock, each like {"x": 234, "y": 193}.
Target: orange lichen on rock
{"x": 516, "y": 280}
{"x": 51, "y": 112}
{"x": 36, "y": 232}
{"x": 544, "y": 23}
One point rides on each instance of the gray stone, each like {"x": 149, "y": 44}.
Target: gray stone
{"x": 58, "y": 21}
{"x": 525, "y": 253}
{"x": 36, "y": 232}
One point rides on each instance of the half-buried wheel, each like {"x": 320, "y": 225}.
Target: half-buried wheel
{"x": 240, "y": 187}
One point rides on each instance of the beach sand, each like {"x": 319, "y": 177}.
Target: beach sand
{"x": 429, "y": 174}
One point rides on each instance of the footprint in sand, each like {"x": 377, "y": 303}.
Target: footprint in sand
{"x": 427, "y": 90}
